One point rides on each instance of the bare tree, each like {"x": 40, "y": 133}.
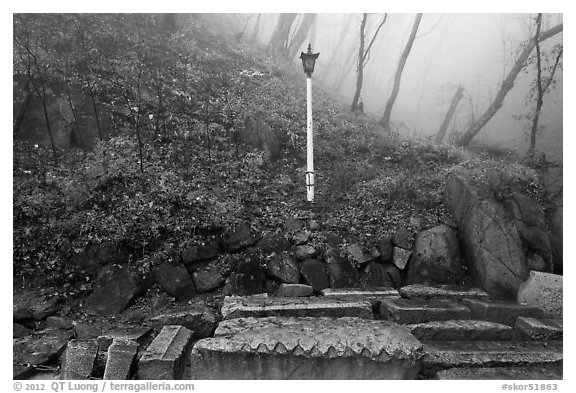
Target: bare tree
{"x": 506, "y": 86}
{"x": 343, "y": 33}
{"x": 363, "y": 56}
{"x": 296, "y": 43}
{"x": 453, "y": 105}
{"x": 256, "y": 29}
{"x": 281, "y": 36}
{"x": 385, "y": 121}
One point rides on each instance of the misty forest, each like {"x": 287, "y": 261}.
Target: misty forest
{"x": 162, "y": 179}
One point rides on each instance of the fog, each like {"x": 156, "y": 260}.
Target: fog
{"x": 473, "y": 50}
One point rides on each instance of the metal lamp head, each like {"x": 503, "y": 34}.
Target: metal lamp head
{"x": 309, "y": 61}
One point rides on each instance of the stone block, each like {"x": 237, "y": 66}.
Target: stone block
{"x": 138, "y": 335}
{"x": 446, "y": 292}
{"x": 538, "y": 329}
{"x": 409, "y": 311}
{"x": 199, "y": 319}
{"x": 466, "y": 330}
{"x": 543, "y": 290}
{"x": 294, "y": 290}
{"x": 501, "y": 373}
{"x": 78, "y": 359}
{"x": 500, "y": 311}
{"x": 120, "y": 359}
{"x": 166, "y": 356}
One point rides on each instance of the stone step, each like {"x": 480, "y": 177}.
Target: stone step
{"x": 166, "y": 356}
{"x": 457, "y": 354}
{"x": 372, "y": 295}
{"x": 120, "y": 359}
{"x": 442, "y": 292}
{"x": 502, "y": 373}
{"x": 500, "y": 311}
{"x": 307, "y": 348}
{"x": 467, "y": 330}
{"x": 260, "y": 306}
{"x": 78, "y": 359}
{"x": 538, "y": 329}
{"x": 410, "y": 311}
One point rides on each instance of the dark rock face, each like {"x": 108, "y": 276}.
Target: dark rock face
{"x": 315, "y": 275}
{"x": 340, "y": 271}
{"x": 200, "y": 253}
{"x": 115, "y": 288}
{"x": 304, "y": 252}
{"x": 258, "y": 134}
{"x": 385, "y": 248}
{"x": 175, "y": 280}
{"x": 491, "y": 244}
{"x": 435, "y": 258}
{"x": 400, "y": 257}
{"x": 94, "y": 256}
{"x": 207, "y": 279}
{"x": 239, "y": 238}
{"x": 376, "y": 276}
{"x": 525, "y": 209}
{"x": 284, "y": 268}
{"x": 273, "y": 243}
{"x": 357, "y": 255}
{"x": 403, "y": 238}
{"x": 248, "y": 278}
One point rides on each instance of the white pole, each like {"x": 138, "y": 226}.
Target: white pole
{"x": 309, "y": 142}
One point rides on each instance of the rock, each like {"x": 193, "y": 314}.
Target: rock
{"x": 42, "y": 308}
{"x": 248, "y": 276}
{"x": 255, "y": 306}
{"x": 300, "y": 237}
{"x": 372, "y": 295}
{"x": 258, "y": 134}
{"x": 294, "y": 290}
{"x": 403, "y": 238}
{"x": 536, "y": 242}
{"x": 284, "y": 268}
{"x": 385, "y": 249}
{"x": 314, "y": 274}
{"x": 166, "y": 356}
{"x": 84, "y": 331}
{"x": 537, "y": 263}
{"x": 120, "y": 359}
{"x": 138, "y": 335}
{"x": 200, "y": 253}
{"x": 524, "y": 208}
{"x": 273, "y": 243}
{"x": 416, "y": 223}
{"x": 207, "y": 279}
{"x": 304, "y": 252}
{"x": 461, "y": 330}
{"x": 332, "y": 240}
{"x": 293, "y": 224}
{"x": 272, "y": 286}
{"x": 35, "y": 350}
{"x": 539, "y": 329}
{"x": 307, "y": 348}
{"x": 435, "y": 257}
{"x": 340, "y": 271}
{"x": 394, "y": 274}
{"x": 20, "y": 331}
{"x": 500, "y": 311}
{"x": 543, "y": 290}
{"x": 175, "y": 280}
{"x": 490, "y": 243}
{"x": 239, "y": 238}
{"x": 401, "y": 257}
{"x": 59, "y": 323}
{"x": 96, "y": 256}
{"x": 409, "y": 311}
{"x": 375, "y": 276}
{"x": 356, "y": 255}
{"x": 21, "y": 312}
{"x": 314, "y": 225}
{"x": 199, "y": 319}
{"x": 115, "y": 288}
{"x": 78, "y": 359}
{"x": 133, "y": 316}
{"x": 500, "y": 373}
{"x": 441, "y": 292}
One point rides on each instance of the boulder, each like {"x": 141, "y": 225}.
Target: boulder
{"x": 385, "y": 248}
{"x": 300, "y": 237}
{"x": 175, "y": 280}
{"x": 248, "y": 277}
{"x": 207, "y": 279}
{"x": 435, "y": 258}
{"x": 20, "y": 330}
{"x": 536, "y": 242}
{"x": 543, "y": 290}
{"x": 340, "y": 271}
{"x": 376, "y": 276}
{"x": 403, "y": 238}
{"x": 294, "y": 290}
{"x": 356, "y": 255}
{"x": 293, "y": 224}
{"x": 115, "y": 288}
{"x": 258, "y": 134}
{"x": 304, "y": 252}
{"x": 525, "y": 209}
{"x": 36, "y": 350}
{"x": 284, "y": 268}
{"x": 273, "y": 243}
{"x": 400, "y": 257}
{"x": 237, "y": 239}
{"x": 95, "y": 256}
{"x": 490, "y": 242}
{"x": 314, "y": 275}
{"x": 199, "y": 253}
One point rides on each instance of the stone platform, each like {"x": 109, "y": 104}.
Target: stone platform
{"x": 409, "y": 311}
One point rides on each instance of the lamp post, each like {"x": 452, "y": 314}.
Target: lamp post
{"x": 308, "y": 62}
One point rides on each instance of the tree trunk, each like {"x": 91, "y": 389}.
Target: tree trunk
{"x": 281, "y": 35}
{"x": 296, "y": 43}
{"x": 540, "y": 98}
{"x": 336, "y": 50}
{"x": 256, "y": 28}
{"x": 360, "y": 71}
{"x": 507, "y": 85}
{"x": 385, "y": 121}
{"x": 22, "y": 111}
{"x": 347, "y": 67}
{"x": 448, "y": 118}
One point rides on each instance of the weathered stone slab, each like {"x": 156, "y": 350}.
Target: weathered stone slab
{"x": 138, "y": 335}
{"x": 165, "y": 358}
{"x": 200, "y": 320}
{"x": 372, "y": 295}
{"x": 449, "y": 354}
{"x": 120, "y": 359}
{"x": 37, "y": 350}
{"x": 294, "y": 290}
{"x": 307, "y": 348}
{"x": 78, "y": 359}
{"x": 539, "y": 329}
{"x": 501, "y": 373}
{"x": 447, "y": 292}
{"x": 470, "y": 330}
{"x": 253, "y": 306}
{"x": 408, "y": 311}
{"x": 500, "y": 311}
{"x": 543, "y": 290}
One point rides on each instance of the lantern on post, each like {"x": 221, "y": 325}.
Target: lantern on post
{"x": 308, "y": 62}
